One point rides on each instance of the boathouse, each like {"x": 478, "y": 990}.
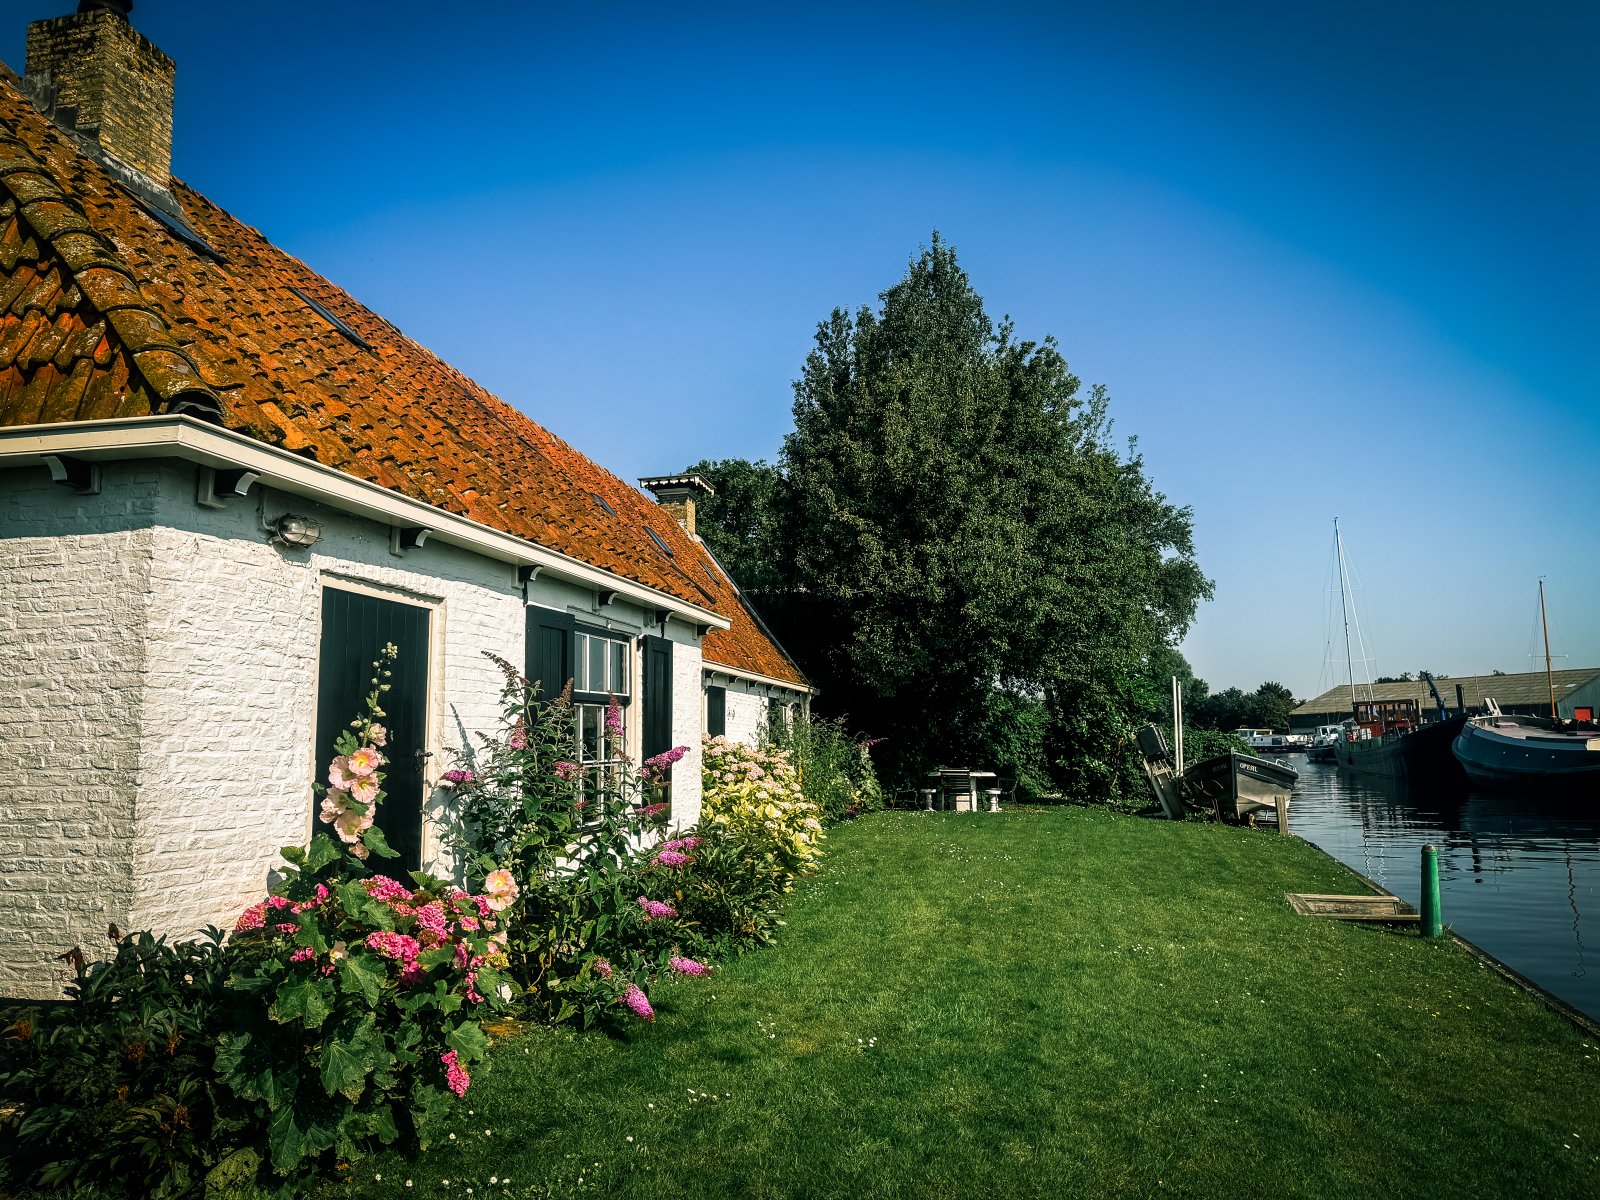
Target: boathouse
{"x": 1526, "y": 693}
{"x": 224, "y": 485}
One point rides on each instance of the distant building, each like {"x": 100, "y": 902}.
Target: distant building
{"x": 1527, "y": 692}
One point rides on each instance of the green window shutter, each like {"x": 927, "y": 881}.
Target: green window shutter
{"x": 716, "y": 711}
{"x": 549, "y": 650}
{"x": 656, "y": 727}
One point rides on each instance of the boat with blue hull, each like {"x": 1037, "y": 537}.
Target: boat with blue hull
{"x": 1524, "y": 751}
{"x": 1501, "y": 751}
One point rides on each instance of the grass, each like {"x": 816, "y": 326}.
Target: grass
{"x": 1068, "y": 1003}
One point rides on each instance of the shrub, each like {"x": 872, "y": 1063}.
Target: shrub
{"x": 835, "y": 769}
{"x": 755, "y": 795}
{"x": 116, "y": 1089}
{"x": 586, "y": 934}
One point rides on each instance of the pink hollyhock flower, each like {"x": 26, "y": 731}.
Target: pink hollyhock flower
{"x": 500, "y": 889}
{"x": 456, "y": 776}
{"x": 567, "y": 770}
{"x": 671, "y": 858}
{"x": 364, "y": 761}
{"x": 364, "y": 788}
{"x": 602, "y": 968}
{"x": 688, "y": 966}
{"x": 455, "y": 1075}
{"x": 334, "y": 803}
{"x": 351, "y": 824}
{"x": 639, "y": 1003}
{"x": 340, "y": 775}
{"x": 378, "y": 734}
{"x": 656, "y": 908}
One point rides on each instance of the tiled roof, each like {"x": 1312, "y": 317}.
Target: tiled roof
{"x": 106, "y": 311}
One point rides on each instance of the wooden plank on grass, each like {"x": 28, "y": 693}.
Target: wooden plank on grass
{"x": 1352, "y": 908}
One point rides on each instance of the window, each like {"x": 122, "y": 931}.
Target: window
{"x": 716, "y": 711}
{"x": 599, "y": 664}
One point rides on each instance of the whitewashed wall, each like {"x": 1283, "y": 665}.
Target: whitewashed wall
{"x": 688, "y": 723}
{"x": 74, "y": 571}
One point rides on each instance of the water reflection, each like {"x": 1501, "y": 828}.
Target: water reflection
{"x": 1518, "y": 875}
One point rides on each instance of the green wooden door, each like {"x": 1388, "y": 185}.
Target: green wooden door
{"x": 355, "y": 629}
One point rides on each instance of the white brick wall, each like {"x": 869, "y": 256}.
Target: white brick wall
{"x": 73, "y": 574}
{"x": 688, "y": 721}
{"x": 747, "y": 713}
{"x": 157, "y": 705}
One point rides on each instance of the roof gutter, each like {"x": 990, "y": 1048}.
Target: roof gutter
{"x": 194, "y": 441}
{"x": 715, "y": 668}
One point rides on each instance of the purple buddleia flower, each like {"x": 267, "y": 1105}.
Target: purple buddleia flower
{"x": 636, "y": 1000}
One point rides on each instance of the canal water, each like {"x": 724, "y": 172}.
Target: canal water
{"x": 1519, "y": 876}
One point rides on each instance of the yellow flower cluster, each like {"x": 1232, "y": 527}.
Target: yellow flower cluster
{"x": 756, "y": 793}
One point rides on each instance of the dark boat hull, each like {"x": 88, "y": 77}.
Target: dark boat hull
{"x": 1534, "y": 756}
{"x": 1426, "y": 751}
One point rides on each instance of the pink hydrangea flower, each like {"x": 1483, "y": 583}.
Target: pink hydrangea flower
{"x": 381, "y": 887}
{"x": 455, "y": 1075}
{"x": 432, "y": 924}
{"x": 304, "y": 954}
{"x": 688, "y": 966}
{"x": 398, "y": 946}
{"x": 656, "y": 908}
{"x": 253, "y": 917}
{"x": 637, "y": 1001}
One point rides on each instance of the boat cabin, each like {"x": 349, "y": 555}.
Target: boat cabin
{"x": 1379, "y": 717}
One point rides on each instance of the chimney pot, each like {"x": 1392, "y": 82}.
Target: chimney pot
{"x": 676, "y": 494}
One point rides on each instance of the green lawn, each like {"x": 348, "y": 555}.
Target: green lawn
{"x": 1067, "y": 1003}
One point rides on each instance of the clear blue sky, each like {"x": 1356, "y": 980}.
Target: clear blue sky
{"x": 1331, "y": 259}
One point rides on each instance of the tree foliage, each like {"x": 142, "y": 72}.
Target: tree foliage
{"x": 951, "y": 521}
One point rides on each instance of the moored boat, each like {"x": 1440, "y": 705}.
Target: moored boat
{"x": 1387, "y": 738}
{"x": 1323, "y": 743}
{"x": 1503, "y": 751}
{"x": 1237, "y": 786}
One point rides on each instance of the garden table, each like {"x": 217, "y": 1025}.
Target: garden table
{"x": 964, "y": 785}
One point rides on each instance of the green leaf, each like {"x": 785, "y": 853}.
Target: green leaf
{"x": 346, "y": 1064}
{"x": 294, "y": 854}
{"x": 296, "y": 1133}
{"x": 303, "y": 1000}
{"x": 359, "y": 973}
{"x": 374, "y": 841}
{"x": 436, "y": 957}
{"x": 363, "y": 908}
{"x": 467, "y": 1040}
{"x": 323, "y": 852}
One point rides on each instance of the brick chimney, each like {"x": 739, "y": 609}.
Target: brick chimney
{"x": 108, "y": 84}
{"x": 676, "y": 494}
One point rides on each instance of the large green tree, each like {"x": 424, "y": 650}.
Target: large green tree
{"x": 952, "y": 524}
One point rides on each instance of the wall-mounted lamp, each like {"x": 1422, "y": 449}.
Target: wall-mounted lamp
{"x": 293, "y": 530}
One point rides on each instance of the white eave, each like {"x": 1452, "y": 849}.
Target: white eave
{"x": 716, "y": 668}
{"x": 209, "y": 445}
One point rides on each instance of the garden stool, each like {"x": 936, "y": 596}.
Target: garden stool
{"x": 994, "y": 798}
{"x": 927, "y": 799}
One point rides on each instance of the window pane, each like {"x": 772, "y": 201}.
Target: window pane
{"x": 590, "y": 722}
{"x": 597, "y": 665}
{"x": 580, "y": 662}
{"x": 619, "y": 677}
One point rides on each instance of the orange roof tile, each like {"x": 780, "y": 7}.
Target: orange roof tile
{"x": 106, "y": 311}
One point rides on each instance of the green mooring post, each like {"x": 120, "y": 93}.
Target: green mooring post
{"x": 1431, "y": 926}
